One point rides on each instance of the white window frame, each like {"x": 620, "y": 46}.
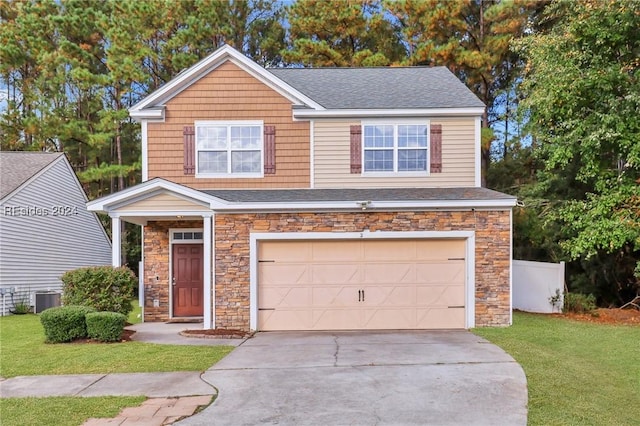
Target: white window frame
{"x": 229, "y": 124}
{"x": 173, "y": 240}
{"x": 395, "y": 149}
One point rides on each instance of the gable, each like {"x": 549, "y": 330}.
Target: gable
{"x": 164, "y": 202}
{"x": 20, "y": 167}
{"x": 229, "y": 93}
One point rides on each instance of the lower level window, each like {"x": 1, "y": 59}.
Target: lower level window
{"x": 229, "y": 149}
{"x": 395, "y": 147}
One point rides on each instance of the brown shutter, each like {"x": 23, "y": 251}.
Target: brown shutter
{"x": 356, "y": 149}
{"x": 189, "y": 138}
{"x": 269, "y": 150}
{"x": 436, "y": 148}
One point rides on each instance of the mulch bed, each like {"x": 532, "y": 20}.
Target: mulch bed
{"x": 601, "y": 316}
{"x": 607, "y": 316}
{"x": 216, "y": 334}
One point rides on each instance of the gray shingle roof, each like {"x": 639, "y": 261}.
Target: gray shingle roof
{"x": 380, "y": 88}
{"x": 378, "y": 194}
{"x": 16, "y": 167}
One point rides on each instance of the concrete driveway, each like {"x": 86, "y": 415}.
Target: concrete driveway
{"x": 366, "y": 378}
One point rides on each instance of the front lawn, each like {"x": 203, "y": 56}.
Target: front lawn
{"x": 577, "y": 372}
{"x": 62, "y": 411}
{"x": 24, "y": 353}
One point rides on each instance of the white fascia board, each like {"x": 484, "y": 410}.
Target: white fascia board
{"x": 206, "y": 65}
{"x": 372, "y": 206}
{"x": 361, "y": 113}
{"x": 120, "y": 198}
{"x": 151, "y": 114}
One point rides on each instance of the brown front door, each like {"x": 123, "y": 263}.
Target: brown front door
{"x": 188, "y": 280}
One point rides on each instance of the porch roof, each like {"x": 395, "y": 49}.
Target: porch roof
{"x": 377, "y": 194}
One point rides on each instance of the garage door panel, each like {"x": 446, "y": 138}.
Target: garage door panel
{"x": 386, "y": 250}
{"x": 285, "y": 297}
{"x": 333, "y": 296}
{"x": 389, "y": 273}
{"x": 441, "y": 272}
{"x": 336, "y": 319}
{"x": 390, "y": 319}
{"x": 440, "y": 318}
{"x": 362, "y": 284}
{"x": 284, "y": 274}
{"x": 440, "y": 296}
{"x": 389, "y": 296}
{"x": 285, "y": 320}
{"x": 337, "y": 274}
{"x": 440, "y": 249}
{"x": 293, "y": 251}
{"x": 335, "y": 251}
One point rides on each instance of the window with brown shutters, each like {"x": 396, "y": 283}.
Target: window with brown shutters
{"x": 436, "y": 148}
{"x": 356, "y": 149}
{"x": 269, "y": 150}
{"x": 230, "y": 149}
{"x": 189, "y": 140}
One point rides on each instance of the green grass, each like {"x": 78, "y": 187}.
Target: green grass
{"x": 578, "y": 373}
{"x": 62, "y": 411}
{"x": 135, "y": 316}
{"x": 24, "y": 353}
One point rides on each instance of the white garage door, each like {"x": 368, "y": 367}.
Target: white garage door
{"x": 361, "y": 284}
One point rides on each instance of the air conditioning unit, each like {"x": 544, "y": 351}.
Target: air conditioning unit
{"x": 46, "y": 300}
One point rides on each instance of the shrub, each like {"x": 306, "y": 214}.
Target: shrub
{"x": 65, "y": 323}
{"x": 104, "y": 288}
{"x": 105, "y": 326}
{"x": 579, "y": 303}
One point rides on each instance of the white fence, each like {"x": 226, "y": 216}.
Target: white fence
{"x": 535, "y": 284}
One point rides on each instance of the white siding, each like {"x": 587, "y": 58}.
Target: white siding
{"x": 332, "y": 158}
{"x": 36, "y": 249}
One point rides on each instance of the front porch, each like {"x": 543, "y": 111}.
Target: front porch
{"x": 174, "y": 220}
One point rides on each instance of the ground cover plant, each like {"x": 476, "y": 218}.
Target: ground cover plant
{"x": 578, "y": 372}
{"x": 62, "y": 411}
{"x": 22, "y": 340}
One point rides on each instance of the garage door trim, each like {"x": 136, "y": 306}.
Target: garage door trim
{"x": 469, "y": 236}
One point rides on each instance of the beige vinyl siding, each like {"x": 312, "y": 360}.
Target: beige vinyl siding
{"x": 163, "y": 202}
{"x": 332, "y": 158}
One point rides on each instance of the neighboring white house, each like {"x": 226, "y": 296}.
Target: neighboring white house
{"x": 45, "y": 229}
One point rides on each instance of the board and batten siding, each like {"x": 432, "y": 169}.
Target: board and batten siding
{"x": 36, "y": 249}
{"x": 332, "y": 158}
{"x": 229, "y": 93}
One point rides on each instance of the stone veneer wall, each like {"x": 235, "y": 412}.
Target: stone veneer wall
{"x": 492, "y": 252}
{"x": 156, "y": 264}
{"x": 232, "y": 255}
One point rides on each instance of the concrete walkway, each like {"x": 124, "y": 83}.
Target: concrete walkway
{"x": 172, "y": 395}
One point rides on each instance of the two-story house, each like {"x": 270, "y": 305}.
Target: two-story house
{"x": 316, "y": 199}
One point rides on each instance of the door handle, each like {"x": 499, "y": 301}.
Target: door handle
{"x": 173, "y": 281}
{"x": 363, "y": 295}
{"x": 360, "y": 295}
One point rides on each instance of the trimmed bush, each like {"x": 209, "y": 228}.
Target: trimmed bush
{"x": 104, "y": 288}
{"x": 65, "y": 323}
{"x": 579, "y": 303}
{"x": 105, "y": 326}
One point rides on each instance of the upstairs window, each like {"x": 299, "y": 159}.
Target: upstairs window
{"x": 395, "y": 148}
{"x": 233, "y": 149}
